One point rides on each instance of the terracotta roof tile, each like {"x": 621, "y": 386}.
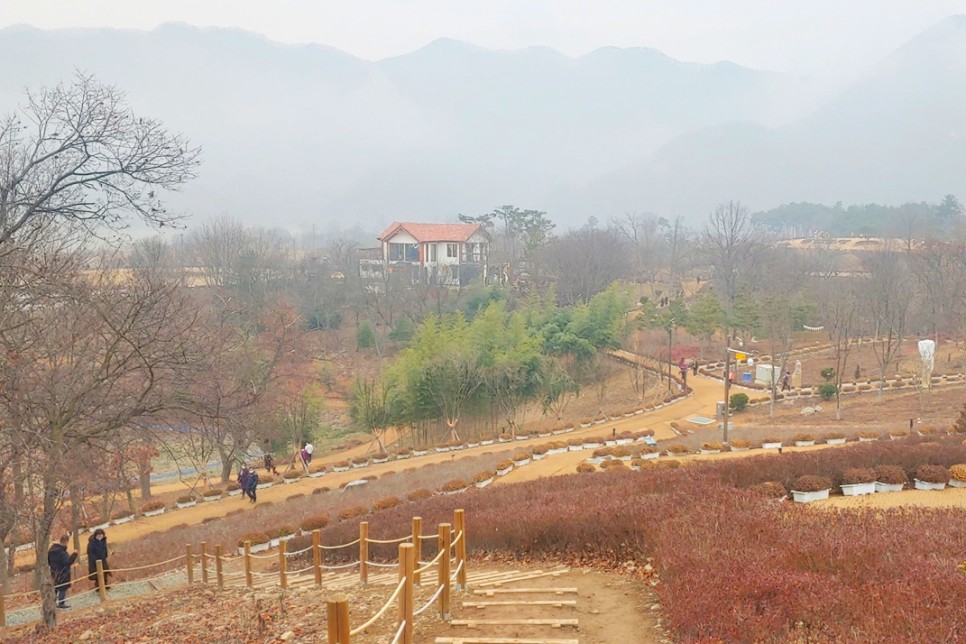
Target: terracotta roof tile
{"x": 434, "y": 232}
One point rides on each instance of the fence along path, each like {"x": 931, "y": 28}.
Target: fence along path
{"x": 214, "y": 567}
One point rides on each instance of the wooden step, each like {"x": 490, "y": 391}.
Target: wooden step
{"x": 473, "y": 623}
{"x": 524, "y": 577}
{"x": 489, "y": 592}
{"x": 500, "y": 640}
{"x": 556, "y": 603}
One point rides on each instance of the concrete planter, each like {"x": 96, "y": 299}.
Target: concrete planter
{"x": 808, "y": 497}
{"x": 154, "y": 513}
{"x": 855, "y": 489}
{"x": 925, "y": 485}
{"x": 887, "y": 487}
{"x": 835, "y": 441}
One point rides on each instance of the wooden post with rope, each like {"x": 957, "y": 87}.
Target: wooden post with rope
{"x": 364, "y": 552}
{"x": 418, "y": 544}
{"x": 204, "y": 562}
{"x": 459, "y": 517}
{"x": 248, "y": 564}
{"x": 317, "y": 557}
{"x": 190, "y": 562}
{"x": 407, "y": 564}
{"x": 101, "y": 583}
{"x": 218, "y": 571}
{"x": 282, "y": 570}
{"x": 442, "y": 570}
{"x": 337, "y": 619}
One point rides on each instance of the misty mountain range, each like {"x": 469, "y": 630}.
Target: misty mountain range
{"x": 298, "y": 136}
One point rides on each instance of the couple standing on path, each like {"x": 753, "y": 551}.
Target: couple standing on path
{"x": 60, "y": 563}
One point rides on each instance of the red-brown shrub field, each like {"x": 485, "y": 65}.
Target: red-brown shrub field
{"x": 734, "y": 564}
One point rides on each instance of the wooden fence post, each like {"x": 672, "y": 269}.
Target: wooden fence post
{"x": 418, "y": 543}
{"x": 218, "y": 572}
{"x": 282, "y": 570}
{"x": 317, "y": 556}
{"x": 407, "y": 563}
{"x": 460, "y": 517}
{"x": 248, "y": 564}
{"x": 190, "y": 563}
{"x": 443, "y": 573}
{"x": 204, "y": 562}
{"x": 337, "y": 619}
{"x": 101, "y": 584}
{"x": 364, "y": 552}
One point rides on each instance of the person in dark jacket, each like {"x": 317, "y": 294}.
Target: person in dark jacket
{"x": 60, "y": 563}
{"x": 97, "y": 551}
{"x": 251, "y": 485}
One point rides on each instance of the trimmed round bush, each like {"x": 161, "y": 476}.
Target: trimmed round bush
{"x": 811, "y": 483}
{"x": 352, "y": 512}
{"x": 712, "y": 445}
{"x": 740, "y": 443}
{"x": 283, "y": 530}
{"x": 958, "y": 472}
{"x": 932, "y": 473}
{"x": 771, "y": 489}
{"x": 586, "y": 468}
{"x": 386, "y": 502}
{"x": 314, "y": 522}
{"x": 855, "y": 475}
{"x": 151, "y": 506}
{"x": 420, "y": 494}
{"x": 291, "y": 475}
{"x": 455, "y": 485}
{"x": 213, "y": 492}
{"x": 891, "y": 474}
{"x": 739, "y": 401}
{"x": 485, "y": 475}
{"x": 254, "y": 537}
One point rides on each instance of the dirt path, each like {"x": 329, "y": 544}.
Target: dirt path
{"x": 949, "y": 498}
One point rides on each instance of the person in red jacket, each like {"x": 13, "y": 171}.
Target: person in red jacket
{"x": 60, "y": 563}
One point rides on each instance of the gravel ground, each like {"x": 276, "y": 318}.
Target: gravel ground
{"x": 89, "y": 598}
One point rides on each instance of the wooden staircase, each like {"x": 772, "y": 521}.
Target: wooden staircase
{"x": 512, "y": 607}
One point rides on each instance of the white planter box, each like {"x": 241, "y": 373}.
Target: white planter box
{"x": 358, "y": 465}
{"x": 804, "y": 443}
{"x": 574, "y": 448}
{"x": 537, "y": 457}
{"x": 289, "y": 481}
{"x": 895, "y": 438}
{"x": 545, "y": 434}
{"x": 380, "y": 460}
{"x": 264, "y": 486}
{"x": 807, "y": 497}
{"x": 610, "y": 442}
{"x": 315, "y": 475}
{"x": 888, "y": 487}
{"x": 638, "y": 411}
{"x": 441, "y": 449}
{"x": 209, "y": 499}
{"x": 600, "y": 421}
{"x": 582, "y": 426}
{"x": 235, "y": 492}
{"x": 646, "y": 455}
{"x": 472, "y": 445}
{"x": 400, "y": 457}
{"x": 923, "y": 485}
{"x": 624, "y": 441}
{"x": 710, "y": 451}
{"x": 482, "y": 484}
{"x": 488, "y": 441}
{"x": 863, "y": 439}
{"x": 255, "y": 547}
{"x": 126, "y": 519}
{"x": 453, "y": 492}
{"x": 457, "y": 448}
{"x": 955, "y": 483}
{"x": 504, "y": 471}
{"x": 419, "y": 452}
{"x": 521, "y": 463}
{"x": 556, "y": 450}
{"x": 740, "y": 449}
{"x": 180, "y": 505}
{"x": 855, "y": 489}
{"x": 771, "y": 445}
{"x": 835, "y": 441}
{"x": 154, "y": 513}
{"x": 341, "y": 469}
{"x": 593, "y": 445}
{"x": 522, "y": 438}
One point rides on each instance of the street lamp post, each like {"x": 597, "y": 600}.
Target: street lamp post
{"x": 727, "y": 386}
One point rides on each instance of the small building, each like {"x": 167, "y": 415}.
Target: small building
{"x": 439, "y": 254}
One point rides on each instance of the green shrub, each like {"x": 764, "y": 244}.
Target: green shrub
{"x": 827, "y": 391}
{"x": 365, "y": 336}
{"x": 739, "y": 401}
{"x": 828, "y": 373}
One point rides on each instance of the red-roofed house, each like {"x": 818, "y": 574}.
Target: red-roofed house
{"x": 443, "y": 254}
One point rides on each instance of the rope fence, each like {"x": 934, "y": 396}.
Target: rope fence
{"x": 209, "y": 565}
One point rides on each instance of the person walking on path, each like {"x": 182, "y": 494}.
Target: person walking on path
{"x": 683, "y": 366}
{"x": 786, "y": 381}
{"x": 97, "y": 551}
{"x": 250, "y": 485}
{"x": 60, "y": 563}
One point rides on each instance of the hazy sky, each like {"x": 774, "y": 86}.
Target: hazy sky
{"x": 823, "y": 38}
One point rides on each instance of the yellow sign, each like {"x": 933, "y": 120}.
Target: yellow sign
{"x": 740, "y": 356}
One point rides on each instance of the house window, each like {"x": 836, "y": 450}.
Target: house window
{"x": 432, "y": 252}
{"x": 452, "y": 250}
{"x": 403, "y": 253}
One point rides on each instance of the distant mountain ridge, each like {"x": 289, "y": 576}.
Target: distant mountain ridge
{"x": 308, "y": 134}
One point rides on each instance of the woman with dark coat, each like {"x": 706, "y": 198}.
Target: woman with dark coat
{"x": 97, "y": 551}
